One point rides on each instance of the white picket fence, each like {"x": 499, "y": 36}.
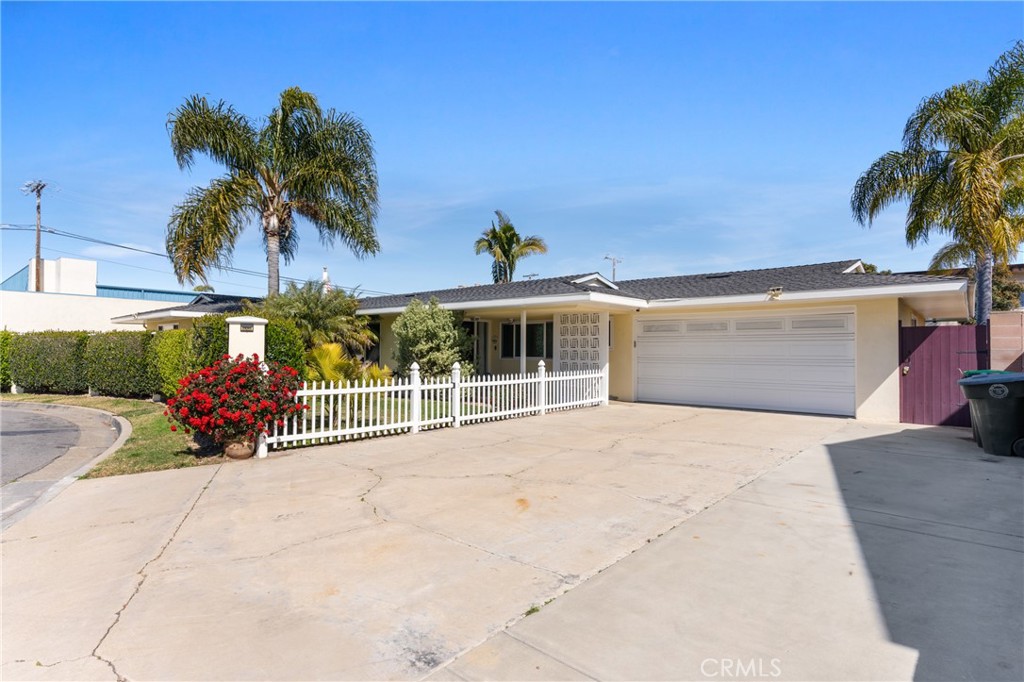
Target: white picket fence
{"x": 347, "y": 411}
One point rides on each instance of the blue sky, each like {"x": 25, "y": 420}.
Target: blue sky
{"x": 679, "y": 137}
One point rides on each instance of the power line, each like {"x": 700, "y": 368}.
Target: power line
{"x": 21, "y": 227}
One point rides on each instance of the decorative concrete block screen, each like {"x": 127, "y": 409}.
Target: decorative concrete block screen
{"x": 347, "y": 411}
{"x": 581, "y": 344}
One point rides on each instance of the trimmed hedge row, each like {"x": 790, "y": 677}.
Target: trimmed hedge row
{"x": 119, "y": 364}
{"x": 49, "y": 362}
{"x": 5, "y": 359}
{"x": 128, "y": 364}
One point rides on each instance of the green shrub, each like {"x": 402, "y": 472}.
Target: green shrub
{"x": 5, "y": 359}
{"x": 209, "y": 341}
{"x": 169, "y": 354}
{"x": 432, "y": 337}
{"x": 118, "y": 364}
{"x": 49, "y": 362}
{"x": 284, "y": 344}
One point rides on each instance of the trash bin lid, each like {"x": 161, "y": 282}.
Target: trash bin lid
{"x": 977, "y": 372}
{"x": 982, "y": 379}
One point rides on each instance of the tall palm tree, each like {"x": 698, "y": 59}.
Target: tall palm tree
{"x": 299, "y": 161}
{"x": 322, "y": 315}
{"x": 506, "y": 246}
{"x": 961, "y": 170}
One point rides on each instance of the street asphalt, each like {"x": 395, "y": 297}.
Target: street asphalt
{"x": 31, "y": 439}
{"x": 41, "y": 449}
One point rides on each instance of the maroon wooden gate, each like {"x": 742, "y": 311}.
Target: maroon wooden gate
{"x": 932, "y": 360}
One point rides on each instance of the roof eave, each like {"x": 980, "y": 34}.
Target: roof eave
{"x": 611, "y": 300}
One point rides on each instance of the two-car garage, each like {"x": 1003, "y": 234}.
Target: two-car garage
{"x": 792, "y": 362}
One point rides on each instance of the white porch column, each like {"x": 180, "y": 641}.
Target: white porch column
{"x": 604, "y": 356}
{"x": 522, "y": 341}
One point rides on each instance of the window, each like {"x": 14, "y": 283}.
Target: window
{"x": 540, "y": 340}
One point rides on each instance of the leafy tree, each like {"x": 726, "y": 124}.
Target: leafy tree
{"x": 202, "y": 288}
{"x": 431, "y": 336}
{"x": 961, "y": 170}
{"x": 507, "y": 247}
{"x": 1006, "y": 291}
{"x": 299, "y": 161}
{"x": 872, "y": 269}
{"x": 322, "y": 315}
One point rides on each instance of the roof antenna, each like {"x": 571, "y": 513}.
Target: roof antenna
{"x": 531, "y": 275}
{"x": 615, "y": 261}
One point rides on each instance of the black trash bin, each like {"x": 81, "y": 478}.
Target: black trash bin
{"x": 997, "y": 411}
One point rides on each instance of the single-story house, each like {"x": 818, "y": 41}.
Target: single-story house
{"x": 818, "y": 338}
{"x": 182, "y": 316}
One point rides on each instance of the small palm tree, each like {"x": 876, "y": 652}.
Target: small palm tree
{"x": 506, "y": 246}
{"x": 962, "y": 171}
{"x": 300, "y": 161}
{"x": 322, "y": 316}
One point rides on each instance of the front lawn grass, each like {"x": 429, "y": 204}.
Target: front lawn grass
{"x": 152, "y": 445}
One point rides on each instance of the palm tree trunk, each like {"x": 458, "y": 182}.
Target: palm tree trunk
{"x": 272, "y": 229}
{"x": 983, "y": 287}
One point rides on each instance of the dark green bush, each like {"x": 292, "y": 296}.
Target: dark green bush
{"x": 284, "y": 344}
{"x": 5, "y": 359}
{"x": 118, "y": 364}
{"x": 170, "y": 355}
{"x": 209, "y": 341}
{"x": 49, "y": 362}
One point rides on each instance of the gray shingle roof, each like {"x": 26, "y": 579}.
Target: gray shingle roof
{"x": 817, "y": 277}
{"x": 551, "y": 286}
{"x": 209, "y": 304}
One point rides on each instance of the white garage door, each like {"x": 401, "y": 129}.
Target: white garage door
{"x": 797, "y": 363}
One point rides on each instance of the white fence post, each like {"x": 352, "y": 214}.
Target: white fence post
{"x": 456, "y": 376}
{"x": 414, "y": 395}
{"x": 542, "y": 389}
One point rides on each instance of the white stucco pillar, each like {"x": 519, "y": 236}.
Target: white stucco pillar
{"x": 247, "y": 336}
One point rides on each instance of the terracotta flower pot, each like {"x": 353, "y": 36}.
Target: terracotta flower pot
{"x": 237, "y": 450}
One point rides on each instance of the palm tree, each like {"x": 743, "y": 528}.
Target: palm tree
{"x": 300, "y": 161}
{"x": 322, "y": 315}
{"x": 961, "y": 170}
{"x": 506, "y": 246}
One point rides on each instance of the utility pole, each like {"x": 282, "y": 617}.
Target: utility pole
{"x": 615, "y": 261}
{"x": 36, "y": 187}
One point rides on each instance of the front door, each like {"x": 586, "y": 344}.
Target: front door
{"x": 481, "y": 336}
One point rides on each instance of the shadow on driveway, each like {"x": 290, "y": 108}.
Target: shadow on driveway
{"x": 941, "y": 528}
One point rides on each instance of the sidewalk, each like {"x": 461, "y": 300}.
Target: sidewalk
{"x": 98, "y": 431}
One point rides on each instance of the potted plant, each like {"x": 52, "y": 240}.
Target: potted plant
{"x": 234, "y": 401}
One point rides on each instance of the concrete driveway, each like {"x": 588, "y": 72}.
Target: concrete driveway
{"x": 416, "y": 556}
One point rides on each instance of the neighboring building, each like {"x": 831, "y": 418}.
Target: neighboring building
{"x": 71, "y": 298}
{"x": 182, "y": 316}
{"x": 815, "y": 338}
{"x": 1016, "y": 271}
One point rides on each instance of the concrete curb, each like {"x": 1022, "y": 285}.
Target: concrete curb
{"x": 124, "y": 431}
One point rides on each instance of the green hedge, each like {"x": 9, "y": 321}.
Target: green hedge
{"x": 209, "y": 341}
{"x": 5, "y": 359}
{"x": 118, "y": 364}
{"x": 49, "y": 362}
{"x": 170, "y": 355}
{"x": 285, "y": 345}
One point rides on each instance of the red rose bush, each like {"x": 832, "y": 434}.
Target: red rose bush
{"x": 235, "y": 399}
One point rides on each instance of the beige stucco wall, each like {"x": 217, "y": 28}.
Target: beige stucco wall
{"x": 878, "y": 347}
{"x": 909, "y": 317}
{"x": 620, "y": 358}
{"x": 387, "y": 341}
{"x": 29, "y": 311}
